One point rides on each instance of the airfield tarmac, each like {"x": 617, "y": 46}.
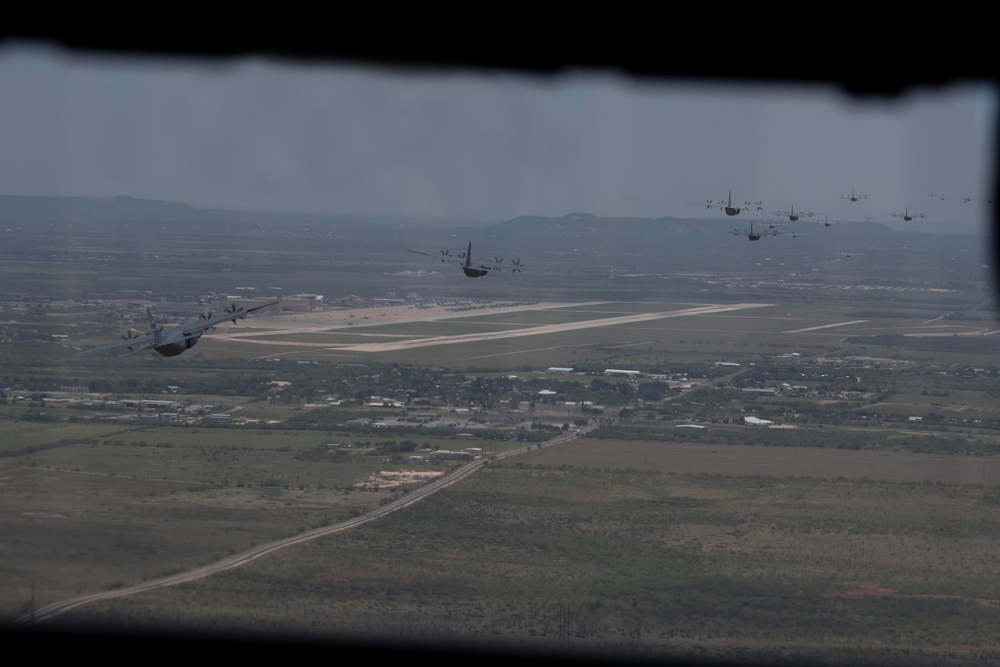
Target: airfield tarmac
{"x": 265, "y": 328}
{"x": 355, "y": 318}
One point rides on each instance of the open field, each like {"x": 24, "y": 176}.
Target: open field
{"x": 741, "y": 461}
{"x": 635, "y": 560}
{"x": 91, "y": 515}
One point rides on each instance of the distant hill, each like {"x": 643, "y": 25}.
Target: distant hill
{"x": 120, "y": 208}
{"x": 576, "y": 232}
{"x": 13, "y": 207}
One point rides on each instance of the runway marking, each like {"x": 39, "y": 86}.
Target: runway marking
{"x": 826, "y": 326}
{"x": 415, "y": 340}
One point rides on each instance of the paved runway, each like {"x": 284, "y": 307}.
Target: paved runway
{"x": 428, "y": 341}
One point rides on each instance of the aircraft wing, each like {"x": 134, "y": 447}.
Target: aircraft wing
{"x": 266, "y": 305}
{"x": 231, "y": 314}
{"x": 441, "y": 256}
{"x": 499, "y": 264}
{"x": 132, "y": 345}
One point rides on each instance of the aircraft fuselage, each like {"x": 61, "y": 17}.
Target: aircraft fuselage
{"x": 176, "y": 341}
{"x": 473, "y": 272}
{"x": 172, "y": 349}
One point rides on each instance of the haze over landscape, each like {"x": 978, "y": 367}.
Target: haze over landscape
{"x": 262, "y": 134}
{"x": 661, "y": 437}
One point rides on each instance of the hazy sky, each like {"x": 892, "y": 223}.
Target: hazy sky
{"x": 267, "y": 135}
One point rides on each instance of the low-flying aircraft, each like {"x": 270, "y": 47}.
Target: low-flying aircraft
{"x": 478, "y": 270}
{"x": 853, "y": 197}
{"x": 173, "y": 342}
{"x": 792, "y": 215}
{"x": 827, "y": 222}
{"x": 752, "y": 235}
{"x": 728, "y": 207}
{"x": 907, "y": 216}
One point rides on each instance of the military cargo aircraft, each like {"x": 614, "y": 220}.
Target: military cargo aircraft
{"x": 474, "y": 271}
{"x": 175, "y": 341}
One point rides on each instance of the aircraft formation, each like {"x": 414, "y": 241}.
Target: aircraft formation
{"x": 175, "y": 341}
{"x": 773, "y": 229}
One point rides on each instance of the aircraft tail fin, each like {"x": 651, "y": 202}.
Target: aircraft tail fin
{"x": 154, "y": 328}
{"x": 468, "y": 255}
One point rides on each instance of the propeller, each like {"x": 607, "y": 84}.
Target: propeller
{"x": 233, "y": 310}
{"x": 206, "y": 316}
{"x": 516, "y": 265}
{"x": 498, "y": 260}
{"x": 129, "y": 335}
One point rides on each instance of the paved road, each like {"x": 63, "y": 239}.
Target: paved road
{"x": 57, "y": 608}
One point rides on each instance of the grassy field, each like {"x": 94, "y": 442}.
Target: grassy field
{"x": 592, "y": 549}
